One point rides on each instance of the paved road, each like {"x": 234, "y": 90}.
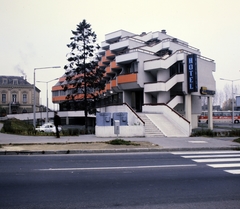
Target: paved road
{"x": 123, "y": 181}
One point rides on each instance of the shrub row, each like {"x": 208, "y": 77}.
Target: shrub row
{"x": 208, "y": 132}
{"x": 15, "y": 126}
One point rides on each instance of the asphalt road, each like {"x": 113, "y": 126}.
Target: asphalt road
{"x": 129, "y": 181}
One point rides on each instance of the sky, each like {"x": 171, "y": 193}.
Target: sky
{"x": 35, "y": 33}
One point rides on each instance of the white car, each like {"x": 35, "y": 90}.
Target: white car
{"x": 48, "y": 127}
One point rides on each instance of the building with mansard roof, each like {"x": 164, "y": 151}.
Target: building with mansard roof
{"x": 17, "y": 95}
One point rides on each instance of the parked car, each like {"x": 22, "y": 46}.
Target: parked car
{"x": 48, "y": 127}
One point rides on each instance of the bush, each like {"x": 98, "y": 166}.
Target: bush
{"x": 121, "y": 142}
{"x": 234, "y": 132}
{"x": 203, "y": 132}
{"x": 70, "y": 132}
{"x": 208, "y": 132}
{"x": 15, "y": 126}
{"x": 237, "y": 140}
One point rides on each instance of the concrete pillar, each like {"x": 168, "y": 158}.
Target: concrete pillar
{"x": 188, "y": 107}
{"x": 67, "y": 120}
{"x": 147, "y": 98}
{"x": 210, "y": 113}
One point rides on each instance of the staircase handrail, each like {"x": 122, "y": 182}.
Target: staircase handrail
{"x": 163, "y": 104}
{"x": 181, "y": 51}
{"x": 134, "y": 112}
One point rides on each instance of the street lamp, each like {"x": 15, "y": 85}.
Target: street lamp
{"x": 232, "y": 96}
{"x": 47, "y": 92}
{"x": 34, "y": 92}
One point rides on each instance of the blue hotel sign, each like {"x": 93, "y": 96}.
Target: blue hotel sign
{"x": 192, "y": 73}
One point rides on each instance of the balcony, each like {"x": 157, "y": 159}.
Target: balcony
{"x": 105, "y": 60}
{"x": 109, "y": 73}
{"x": 127, "y": 58}
{"x": 109, "y": 54}
{"x": 114, "y": 83}
{"x": 163, "y": 86}
{"x": 115, "y": 36}
{"x": 115, "y": 67}
{"x": 105, "y": 45}
{"x": 119, "y": 46}
{"x": 159, "y": 63}
{"x": 128, "y": 78}
{"x": 108, "y": 86}
{"x": 101, "y": 52}
{"x": 101, "y": 64}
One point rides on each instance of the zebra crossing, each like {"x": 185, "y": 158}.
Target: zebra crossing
{"x": 229, "y": 161}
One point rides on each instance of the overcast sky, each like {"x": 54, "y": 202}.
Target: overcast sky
{"x": 34, "y": 33}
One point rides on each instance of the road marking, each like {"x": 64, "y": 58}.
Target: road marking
{"x": 206, "y": 156}
{"x": 198, "y": 142}
{"x": 216, "y": 160}
{"x": 229, "y": 165}
{"x": 117, "y": 168}
{"x": 205, "y": 152}
{"x": 233, "y": 171}
{"x": 216, "y": 157}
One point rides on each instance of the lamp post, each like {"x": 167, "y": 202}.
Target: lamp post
{"x": 34, "y": 91}
{"x": 47, "y": 93}
{"x": 232, "y": 96}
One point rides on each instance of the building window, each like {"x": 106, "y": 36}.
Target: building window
{"x": 24, "y": 98}
{"x": 14, "y": 98}
{"x": 4, "y": 98}
{"x": 4, "y": 81}
{"x": 15, "y": 81}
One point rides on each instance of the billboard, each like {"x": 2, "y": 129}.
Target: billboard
{"x": 192, "y": 73}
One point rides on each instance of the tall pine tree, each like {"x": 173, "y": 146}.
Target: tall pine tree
{"x": 84, "y": 79}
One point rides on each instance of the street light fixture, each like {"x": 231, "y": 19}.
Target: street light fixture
{"x": 34, "y": 91}
{"x": 232, "y": 96}
{"x": 47, "y": 92}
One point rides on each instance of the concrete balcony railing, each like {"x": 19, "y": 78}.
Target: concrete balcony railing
{"x": 163, "y": 86}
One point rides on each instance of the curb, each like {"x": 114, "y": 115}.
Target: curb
{"x": 97, "y": 151}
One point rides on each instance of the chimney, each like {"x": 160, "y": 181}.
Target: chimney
{"x": 164, "y": 31}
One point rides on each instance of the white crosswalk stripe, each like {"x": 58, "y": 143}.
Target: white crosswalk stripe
{"x": 229, "y": 160}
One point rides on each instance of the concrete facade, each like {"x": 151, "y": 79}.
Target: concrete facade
{"x": 152, "y": 71}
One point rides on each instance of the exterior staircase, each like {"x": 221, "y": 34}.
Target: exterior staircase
{"x": 151, "y": 130}
{"x": 157, "y": 125}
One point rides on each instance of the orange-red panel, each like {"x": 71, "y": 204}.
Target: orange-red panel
{"x": 58, "y": 98}
{"x": 114, "y": 83}
{"x": 105, "y": 60}
{"x": 101, "y": 64}
{"x": 127, "y": 78}
{"x": 108, "y": 69}
{"x": 107, "y": 87}
{"x": 56, "y": 88}
{"x": 62, "y": 79}
{"x": 109, "y": 54}
{"x": 114, "y": 65}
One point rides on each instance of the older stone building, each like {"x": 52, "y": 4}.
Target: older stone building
{"x": 17, "y": 95}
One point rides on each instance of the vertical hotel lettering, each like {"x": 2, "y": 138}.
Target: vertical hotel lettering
{"x": 192, "y": 73}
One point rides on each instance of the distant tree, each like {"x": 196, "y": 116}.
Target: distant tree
{"x": 84, "y": 79}
{"x": 227, "y": 105}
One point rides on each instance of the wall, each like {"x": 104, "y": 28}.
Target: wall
{"x": 125, "y": 131}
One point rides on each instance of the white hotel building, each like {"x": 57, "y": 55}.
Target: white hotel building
{"x": 160, "y": 78}
{"x": 152, "y": 70}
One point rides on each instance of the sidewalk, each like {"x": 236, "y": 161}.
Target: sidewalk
{"x": 15, "y": 144}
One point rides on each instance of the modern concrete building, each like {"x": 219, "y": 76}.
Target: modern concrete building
{"x": 161, "y": 78}
{"x": 17, "y": 95}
